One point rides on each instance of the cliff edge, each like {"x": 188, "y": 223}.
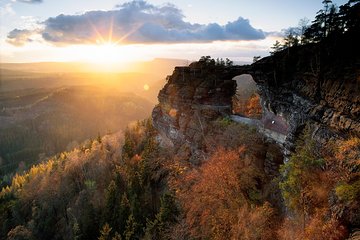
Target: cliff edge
{"x": 315, "y": 83}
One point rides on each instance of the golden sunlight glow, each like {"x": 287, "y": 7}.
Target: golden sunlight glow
{"x": 103, "y": 54}
{"x": 108, "y": 53}
{"x": 106, "y": 57}
{"x": 146, "y": 87}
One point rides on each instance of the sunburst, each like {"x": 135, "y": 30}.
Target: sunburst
{"x": 109, "y": 49}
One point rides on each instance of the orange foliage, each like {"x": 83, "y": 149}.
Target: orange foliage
{"x": 322, "y": 227}
{"x": 255, "y": 223}
{"x": 253, "y": 106}
{"x": 319, "y": 221}
{"x": 319, "y": 227}
{"x": 250, "y": 107}
{"x": 291, "y": 230}
{"x": 216, "y": 198}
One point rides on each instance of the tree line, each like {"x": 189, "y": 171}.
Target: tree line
{"x": 330, "y": 22}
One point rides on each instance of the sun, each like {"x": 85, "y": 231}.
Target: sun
{"x": 102, "y": 54}
{"x": 104, "y": 57}
{"x": 108, "y": 53}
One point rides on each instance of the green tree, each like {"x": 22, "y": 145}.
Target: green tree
{"x": 323, "y": 24}
{"x": 128, "y": 150}
{"x": 20, "y": 233}
{"x": 228, "y": 62}
{"x": 256, "y": 58}
{"x": 167, "y": 215}
{"x": 292, "y": 37}
{"x": 298, "y": 175}
{"x": 277, "y": 47}
{"x": 169, "y": 210}
{"x": 131, "y": 228}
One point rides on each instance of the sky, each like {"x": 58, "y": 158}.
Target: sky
{"x": 116, "y": 31}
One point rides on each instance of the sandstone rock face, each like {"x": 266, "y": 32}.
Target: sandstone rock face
{"x": 192, "y": 96}
{"x": 316, "y": 83}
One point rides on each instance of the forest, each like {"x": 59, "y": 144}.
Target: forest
{"x": 38, "y": 123}
{"x": 129, "y": 187}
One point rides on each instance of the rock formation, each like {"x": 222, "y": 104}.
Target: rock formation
{"x": 192, "y": 96}
{"x": 317, "y": 83}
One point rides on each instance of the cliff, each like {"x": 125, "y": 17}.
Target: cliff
{"x": 315, "y": 83}
{"x": 192, "y": 96}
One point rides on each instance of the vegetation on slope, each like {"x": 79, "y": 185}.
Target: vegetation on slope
{"x": 136, "y": 189}
{"x": 77, "y": 193}
{"x": 321, "y": 189}
{"x": 38, "y": 123}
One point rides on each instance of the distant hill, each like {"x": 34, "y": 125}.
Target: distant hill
{"x": 161, "y": 66}
{"x": 43, "y": 122}
{"x": 16, "y": 76}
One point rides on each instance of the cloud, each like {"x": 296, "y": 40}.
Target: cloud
{"x": 6, "y": 10}
{"x": 30, "y": 1}
{"x": 19, "y": 37}
{"x": 141, "y": 22}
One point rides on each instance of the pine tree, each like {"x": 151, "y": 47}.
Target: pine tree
{"x": 131, "y": 228}
{"x": 169, "y": 211}
{"x": 277, "y": 47}
{"x": 105, "y": 232}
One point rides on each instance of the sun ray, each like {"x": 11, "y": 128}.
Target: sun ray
{"x": 128, "y": 34}
{"x": 111, "y": 29}
{"x": 98, "y": 34}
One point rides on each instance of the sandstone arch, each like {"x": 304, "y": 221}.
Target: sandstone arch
{"x": 246, "y": 101}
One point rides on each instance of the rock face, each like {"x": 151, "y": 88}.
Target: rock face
{"x": 191, "y": 97}
{"x": 313, "y": 83}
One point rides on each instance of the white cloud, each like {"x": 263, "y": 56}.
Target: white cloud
{"x": 6, "y": 10}
{"x": 141, "y": 22}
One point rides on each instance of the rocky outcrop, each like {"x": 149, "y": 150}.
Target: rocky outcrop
{"x": 192, "y": 96}
{"x": 317, "y": 83}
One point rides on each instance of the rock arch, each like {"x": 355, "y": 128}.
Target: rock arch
{"x": 246, "y": 101}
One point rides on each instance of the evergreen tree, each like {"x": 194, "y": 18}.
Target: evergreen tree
{"x": 276, "y": 47}
{"x": 128, "y": 150}
{"x": 105, "y": 232}
{"x": 228, "y": 62}
{"x": 292, "y": 37}
{"x": 298, "y": 174}
{"x": 256, "y": 58}
{"x": 167, "y": 215}
{"x": 169, "y": 211}
{"x": 131, "y": 228}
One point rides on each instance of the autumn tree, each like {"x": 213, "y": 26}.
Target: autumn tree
{"x": 253, "y": 107}
{"x": 226, "y": 183}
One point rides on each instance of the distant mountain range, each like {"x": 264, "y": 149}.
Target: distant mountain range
{"x": 158, "y": 65}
